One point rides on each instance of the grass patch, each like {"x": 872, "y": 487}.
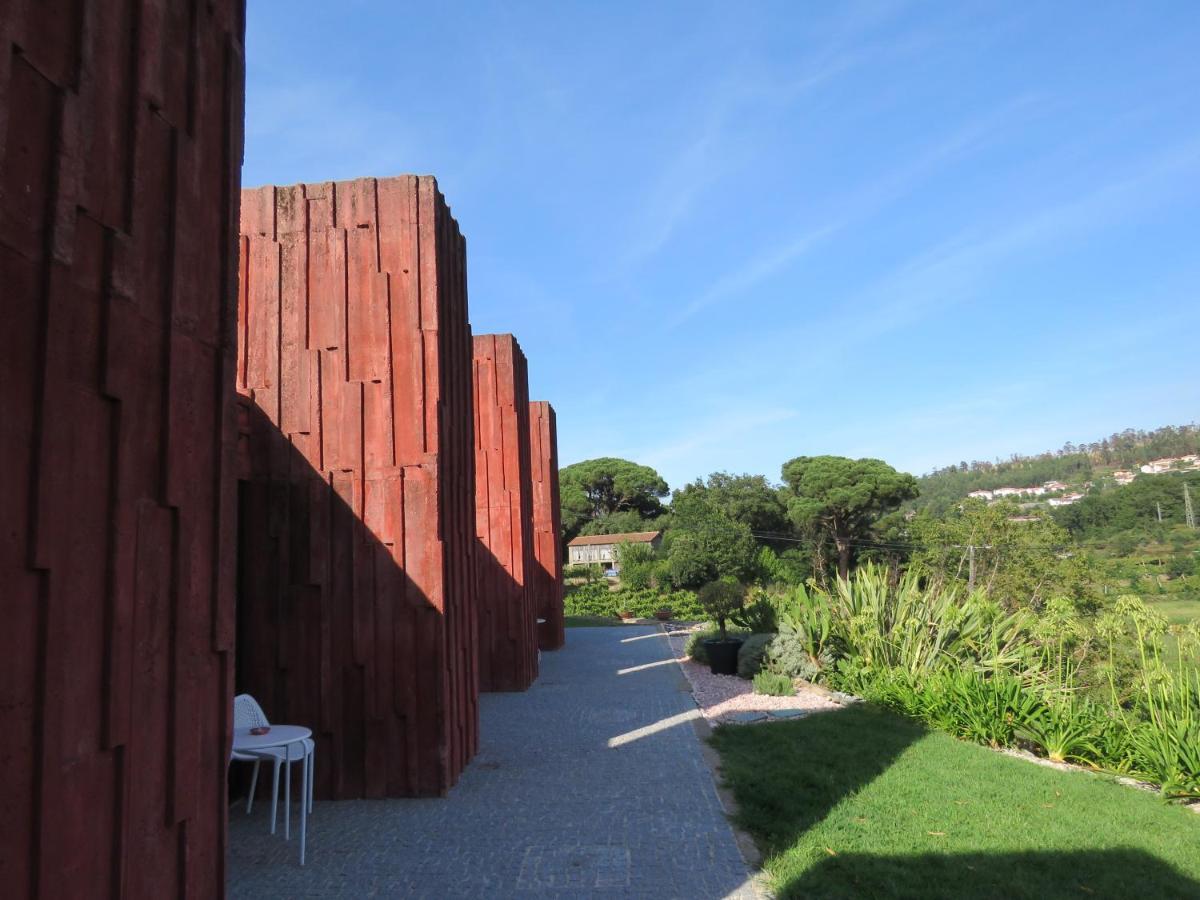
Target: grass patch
{"x": 863, "y": 803}
{"x": 1178, "y": 611}
{"x": 591, "y": 621}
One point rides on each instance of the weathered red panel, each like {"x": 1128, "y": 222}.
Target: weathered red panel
{"x": 120, "y": 162}
{"x": 508, "y": 644}
{"x": 356, "y": 610}
{"x": 547, "y": 526}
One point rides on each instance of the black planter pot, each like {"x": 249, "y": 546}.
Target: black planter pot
{"x": 722, "y": 655}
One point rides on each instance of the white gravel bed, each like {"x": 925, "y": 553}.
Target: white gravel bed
{"x": 729, "y": 699}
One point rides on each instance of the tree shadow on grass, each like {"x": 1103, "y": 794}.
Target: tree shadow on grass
{"x": 1116, "y": 873}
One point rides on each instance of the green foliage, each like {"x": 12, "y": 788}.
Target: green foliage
{"x": 721, "y": 600}
{"x": 843, "y": 497}
{"x": 752, "y": 654}
{"x": 597, "y": 600}
{"x": 773, "y": 684}
{"x": 592, "y": 599}
{"x": 625, "y": 522}
{"x": 705, "y": 544}
{"x": 1011, "y": 679}
{"x": 1066, "y": 731}
{"x": 917, "y": 628}
{"x": 757, "y": 616}
{"x": 1131, "y": 508}
{"x": 968, "y": 704}
{"x": 801, "y": 648}
{"x": 1073, "y": 464}
{"x": 585, "y": 571}
{"x": 747, "y": 499}
{"x": 637, "y": 562}
{"x": 596, "y": 488}
{"x": 1019, "y": 563}
{"x": 793, "y": 567}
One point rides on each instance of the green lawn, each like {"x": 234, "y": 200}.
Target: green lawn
{"x": 1178, "y": 612}
{"x": 862, "y": 803}
{"x": 590, "y": 621}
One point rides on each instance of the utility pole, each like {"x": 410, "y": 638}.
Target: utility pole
{"x": 1188, "y": 514}
{"x": 970, "y": 568}
{"x": 1159, "y": 506}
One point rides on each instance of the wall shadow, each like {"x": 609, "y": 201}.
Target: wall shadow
{"x": 507, "y": 626}
{"x": 792, "y": 805}
{"x": 1123, "y": 872}
{"x": 792, "y": 775}
{"x": 333, "y": 633}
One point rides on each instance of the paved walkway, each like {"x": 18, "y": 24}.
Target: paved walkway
{"x": 590, "y": 784}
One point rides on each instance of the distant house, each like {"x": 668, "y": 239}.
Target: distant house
{"x": 1123, "y": 477}
{"x": 1167, "y": 463}
{"x": 1054, "y": 486}
{"x": 1065, "y": 499}
{"x": 981, "y": 495}
{"x": 601, "y": 549}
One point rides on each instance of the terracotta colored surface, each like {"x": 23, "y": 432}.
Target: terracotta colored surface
{"x": 120, "y": 155}
{"x": 504, "y": 516}
{"x": 547, "y": 529}
{"x": 356, "y": 607}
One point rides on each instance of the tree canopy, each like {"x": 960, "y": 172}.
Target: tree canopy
{"x": 706, "y": 542}
{"x": 749, "y": 499}
{"x": 1019, "y": 558}
{"x": 596, "y": 488}
{"x": 843, "y": 497}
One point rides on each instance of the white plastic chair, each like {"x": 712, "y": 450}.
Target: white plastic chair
{"x": 248, "y": 714}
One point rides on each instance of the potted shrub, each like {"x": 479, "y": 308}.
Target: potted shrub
{"x": 663, "y": 614}
{"x": 626, "y": 614}
{"x": 721, "y": 599}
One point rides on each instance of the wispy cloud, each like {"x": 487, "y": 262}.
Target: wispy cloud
{"x": 855, "y": 208}
{"x": 734, "y": 422}
{"x": 705, "y": 156}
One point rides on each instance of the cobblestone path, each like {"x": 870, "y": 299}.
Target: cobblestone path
{"x": 590, "y": 784}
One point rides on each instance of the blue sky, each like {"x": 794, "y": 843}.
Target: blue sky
{"x": 728, "y": 234}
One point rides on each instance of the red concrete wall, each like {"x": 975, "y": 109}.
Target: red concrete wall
{"x": 356, "y": 606}
{"x": 504, "y": 516}
{"x": 120, "y": 159}
{"x": 547, "y": 525}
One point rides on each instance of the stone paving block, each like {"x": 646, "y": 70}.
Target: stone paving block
{"x": 570, "y": 815}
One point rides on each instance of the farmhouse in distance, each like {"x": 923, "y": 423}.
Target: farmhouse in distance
{"x": 601, "y": 549}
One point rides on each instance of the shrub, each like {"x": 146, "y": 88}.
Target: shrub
{"x": 721, "y": 599}
{"x": 967, "y": 704}
{"x": 758, "y": 616}
{"x": 802, "y": 648}
{"x": 752, "y": 653}
{"x": 773, "y": 684}
{"x": 581, "y": 570}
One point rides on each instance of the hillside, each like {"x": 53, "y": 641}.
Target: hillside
{"x": 1073, "y": 464}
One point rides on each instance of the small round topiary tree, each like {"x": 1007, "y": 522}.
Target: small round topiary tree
{"x": 721, "y": 599}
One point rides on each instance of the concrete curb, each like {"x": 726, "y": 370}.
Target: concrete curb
{"x": 745, "y": 843}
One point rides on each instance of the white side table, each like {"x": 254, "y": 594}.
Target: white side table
{"x": 282, "y": 736}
